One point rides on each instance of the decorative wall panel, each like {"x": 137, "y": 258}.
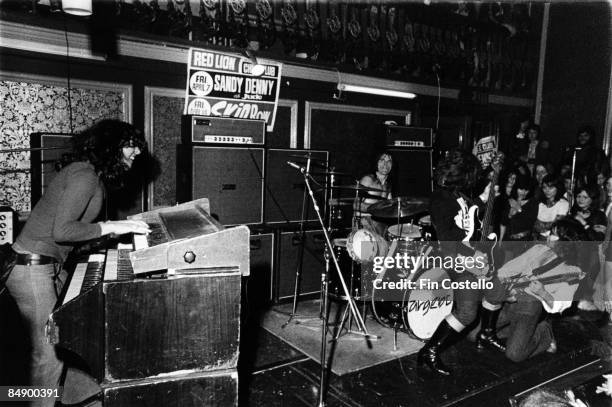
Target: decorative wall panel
{"x": 40, "y": 104}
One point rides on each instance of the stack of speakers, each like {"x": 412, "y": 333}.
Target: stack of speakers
{"x": 226, "y": 161}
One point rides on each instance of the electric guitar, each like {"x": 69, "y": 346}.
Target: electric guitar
{"x": 481, "y": 231}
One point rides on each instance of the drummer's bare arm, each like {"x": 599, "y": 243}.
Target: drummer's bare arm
{"x": 367, "y": 181}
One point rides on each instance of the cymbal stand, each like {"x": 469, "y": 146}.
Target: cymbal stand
{"x": 351, "y": 301}
{"x": 300, "y": 257}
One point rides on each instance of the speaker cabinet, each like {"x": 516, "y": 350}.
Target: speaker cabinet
{"x": 412, "y": 172}
{"x": 258, "y": 286}
{"x": 284, "y": 192}
{"x": 48, "y": 148}
{"x": 231, "y": 178}
{"x": 313, "y": 263}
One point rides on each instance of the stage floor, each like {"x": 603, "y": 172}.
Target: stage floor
{"x": 273, "y": 373}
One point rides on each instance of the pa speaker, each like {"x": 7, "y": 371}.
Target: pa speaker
{"x": 231, "y": 178}
{"x": 412, "y": 171}
{"x": 312, "y": 263}
{"x": 285, "y": 187}
{"x": 47, "y": 149}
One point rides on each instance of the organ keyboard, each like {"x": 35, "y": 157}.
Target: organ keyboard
{"x": 186, "y": 237}
{"x": 130, "y": 326}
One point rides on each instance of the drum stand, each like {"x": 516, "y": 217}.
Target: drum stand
{"x": 325, "y": 295}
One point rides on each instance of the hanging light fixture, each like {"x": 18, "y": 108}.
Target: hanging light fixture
{"x": 77, "y": 7}
{"x": 345, "y": 87}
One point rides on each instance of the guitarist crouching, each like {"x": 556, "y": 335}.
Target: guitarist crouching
{"x": 545, "y": 277}
{"x": 452, "y": 214}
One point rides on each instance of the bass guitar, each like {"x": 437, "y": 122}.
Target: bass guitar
{"x": 482, "y": 231}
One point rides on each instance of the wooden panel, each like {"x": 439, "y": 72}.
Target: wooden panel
{"x": 194, "y": 390}
{"x": 161, "y": 326}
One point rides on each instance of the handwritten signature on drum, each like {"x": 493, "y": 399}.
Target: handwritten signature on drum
{"x": 424, "y": 306}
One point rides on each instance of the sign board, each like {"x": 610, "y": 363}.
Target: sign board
{"x": 484, "y": 150}
{"x": 221, "y": 84}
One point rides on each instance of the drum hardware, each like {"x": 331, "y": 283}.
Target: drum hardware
{"x": 350, "y": 301}
{"x": 300, "y": 257}
{"x": 400, "y": 207}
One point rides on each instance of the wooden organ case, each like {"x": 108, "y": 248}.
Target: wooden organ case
{"x": 154, "y": 338}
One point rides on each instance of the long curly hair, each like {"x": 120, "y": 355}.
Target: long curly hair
{"x": 101, "y": 145}
{"x": 458, "y": 170}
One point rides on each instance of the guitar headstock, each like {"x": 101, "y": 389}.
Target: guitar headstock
{"x": 497, "y": 161}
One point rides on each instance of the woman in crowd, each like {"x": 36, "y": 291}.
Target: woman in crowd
{"x": 539, "y": 173}
{"x": 65, "y": 215}
{"x": 518, "y": 218}
{"x": 551, "y": 208}
{"x": 594, "y": 222}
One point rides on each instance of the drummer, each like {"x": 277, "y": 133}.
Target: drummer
{"x": 380, "y": 180}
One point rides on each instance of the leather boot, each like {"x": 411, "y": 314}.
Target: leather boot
{"x": 429, "y": 354}
{"x": 487, "y": 336}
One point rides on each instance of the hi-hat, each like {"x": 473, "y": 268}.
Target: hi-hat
{"x": 399, "y": 207}
{"x": 356, "y": 187}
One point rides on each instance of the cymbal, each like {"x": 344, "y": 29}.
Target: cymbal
{"x": 340, "y": 202}
{"x": 329, "y": 173}
{"x": 399, "y": 207}
{"x": 356, "y": 187}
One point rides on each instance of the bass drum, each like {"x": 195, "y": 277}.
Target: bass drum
{"x": 421, "y": 309}
{"x": 428, "y": 304}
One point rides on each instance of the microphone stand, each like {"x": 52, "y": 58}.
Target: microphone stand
{"x": 300, "y": 257}
{"x": 350, "y": 300}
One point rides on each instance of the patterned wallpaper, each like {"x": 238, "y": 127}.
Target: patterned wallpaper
{"x": 36, "y": 107}
{"x": 167, "y": 111}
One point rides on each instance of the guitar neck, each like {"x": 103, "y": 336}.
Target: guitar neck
{"x": 559, "y": 278}
{"x": 486, "y": 222}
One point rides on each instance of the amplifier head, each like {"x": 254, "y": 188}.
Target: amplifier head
{"x": 409, "y": 137}
{"x": 223, "y": 130}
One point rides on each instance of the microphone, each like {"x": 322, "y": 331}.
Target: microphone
{"x": 296, "y": 166}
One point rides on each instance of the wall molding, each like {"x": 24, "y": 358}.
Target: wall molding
{"x": 49, "y": 41}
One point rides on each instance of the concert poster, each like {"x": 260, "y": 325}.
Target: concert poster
{"x": 221, "y": 84}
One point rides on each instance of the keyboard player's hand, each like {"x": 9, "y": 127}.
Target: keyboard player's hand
{"x": 121, "y": 227}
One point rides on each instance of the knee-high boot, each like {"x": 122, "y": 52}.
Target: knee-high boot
{"x": 429, "y": 354}
{"x": 487, "y": 337}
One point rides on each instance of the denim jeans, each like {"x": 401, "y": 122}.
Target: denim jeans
{"x": 527, "y": 336}
{"x": 467, "y": 301}
{"x": 34, "y": 290}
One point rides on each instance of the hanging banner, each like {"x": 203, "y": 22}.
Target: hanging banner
{"x": 484, "y": 149}
{"x": 221, "y": 84}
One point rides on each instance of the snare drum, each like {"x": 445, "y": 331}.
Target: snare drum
{"x": 408, "y": 237}
{"x": 363, "y": 245}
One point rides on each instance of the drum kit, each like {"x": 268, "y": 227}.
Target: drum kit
{"x": 407, "y": 231}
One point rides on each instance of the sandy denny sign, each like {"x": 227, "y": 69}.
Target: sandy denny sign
{"x": 222, "y": 85}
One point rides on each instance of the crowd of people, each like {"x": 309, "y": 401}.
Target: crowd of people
{"x": 534, "y": 192}
{"x": 553, "y": 224}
